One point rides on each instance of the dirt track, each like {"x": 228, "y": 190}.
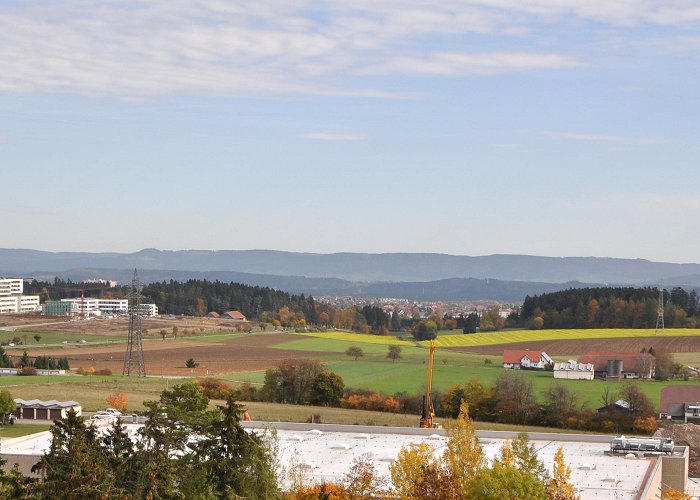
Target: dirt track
{"x": 580, "y": 346}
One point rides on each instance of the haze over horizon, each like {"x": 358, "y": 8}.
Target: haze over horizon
{"x": 474, "y": 127}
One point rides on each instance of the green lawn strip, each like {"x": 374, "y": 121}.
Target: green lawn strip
{"x": 213, "y": 338}
{"x": 90, "y": 391}
{"x": 391, "y": 378}
{"x": 19, "y": 430}
{"x": 56, "y": 338}
{"x": 276, "y": 412}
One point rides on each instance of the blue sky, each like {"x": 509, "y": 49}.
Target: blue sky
{"x": 548, "y": 127}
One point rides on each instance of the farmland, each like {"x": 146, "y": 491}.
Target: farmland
{"x": 224, "y": 353}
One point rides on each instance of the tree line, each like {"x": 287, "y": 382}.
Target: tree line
{"x": 613, "y": 307}
{"x": 511, "y": 399}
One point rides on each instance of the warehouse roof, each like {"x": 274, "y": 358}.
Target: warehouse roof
{"x": 37, "y": 403}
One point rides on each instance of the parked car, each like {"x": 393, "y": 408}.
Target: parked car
{"x": 101, "y": 416}
{"x": 112, "y": 411}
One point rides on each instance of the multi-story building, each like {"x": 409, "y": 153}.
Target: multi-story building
{"x": 95, "y": 307}
{"x": 149, "y": 310}
{"x": 11, "y": 286}
{"x": 11, "y": 299}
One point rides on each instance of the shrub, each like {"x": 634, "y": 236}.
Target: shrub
{"x": 215, "y": 389}
{"x": 27, "y": 371}
{"x": 104, "y": 371}
{"x": 370, "y": 400}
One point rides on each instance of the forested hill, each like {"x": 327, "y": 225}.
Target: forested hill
{"x": 193, "y": 297}
{"x": 197, "y": 297}
{"x": 359, "y": 267}
{"x": 610, "y": 308}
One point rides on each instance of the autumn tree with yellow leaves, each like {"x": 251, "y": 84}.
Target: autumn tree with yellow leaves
{"x": 462, "y": 471}
{"x": 559, "y": 487}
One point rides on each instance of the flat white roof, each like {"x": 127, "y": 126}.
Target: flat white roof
{"x": 326, "y": 452}
{"x": 328, "y": 456}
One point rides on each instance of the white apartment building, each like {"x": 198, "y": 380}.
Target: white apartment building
{"x": 113, "y": 306}
{"x": 96, "y": 307}
{"x": 11, "y": 286}
{"x": 11, "y": 299}
{"x": 149, "y": 310}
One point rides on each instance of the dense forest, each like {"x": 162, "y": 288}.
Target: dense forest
{"x": 197, "y": 297}
{"x": 192, "y": 298}
{"x": 610, "y": 308}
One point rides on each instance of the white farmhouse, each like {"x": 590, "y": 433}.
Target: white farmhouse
{"x": 524, "y": 358}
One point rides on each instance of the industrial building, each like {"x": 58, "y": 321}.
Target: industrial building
{"x": 327, "y": 452}
{"x": 681, "y": 403}
{"x": 12, "y": 300}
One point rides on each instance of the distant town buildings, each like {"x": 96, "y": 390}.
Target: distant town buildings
{"x": 524, "y": 358}
{"x": 12, "y": 300}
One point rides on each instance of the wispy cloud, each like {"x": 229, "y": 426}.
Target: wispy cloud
{"x": 447, "y": 64}
{"x": 621, "y": 139}
{"x": 133, "y": 49}
{"x": 334, "y": 136}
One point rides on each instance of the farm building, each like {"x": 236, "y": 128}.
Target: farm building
{"x": 621, "y": 365}
{"x": 681, "y": 403}
{"x": 573, "y": 370}
{"x": 35, "y": 409}
{"x": 213, "y": 314}
{"x": 524, "y": 358}
{"x": 234, "y": 315}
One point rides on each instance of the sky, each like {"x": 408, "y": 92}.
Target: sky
{"x": 472, "y": 127}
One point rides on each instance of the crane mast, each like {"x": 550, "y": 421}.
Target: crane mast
{"x": 426, "y": 420}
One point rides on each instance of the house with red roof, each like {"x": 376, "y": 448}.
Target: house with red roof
{"x": 621, "y": 365}
{"x": 213, "y": 314}
{"x": 516, "y": 359}
{"x": 238, "y": 315}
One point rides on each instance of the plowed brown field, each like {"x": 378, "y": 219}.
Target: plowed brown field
{"x": 580, "y": 346}
{"x": 242, "y": 354}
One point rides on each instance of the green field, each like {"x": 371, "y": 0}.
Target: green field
{"x": 409, "y": 374}
{"x": 55, "y": 339}
{"x": 19, "y": 430}
{"x": 372, "y": 371}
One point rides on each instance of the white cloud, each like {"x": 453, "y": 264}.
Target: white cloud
{"x": 445, "y": 63}
{"x": 135, "y": 49}
{"x": 636, "y": 141}
{"x": 334, "y": 136}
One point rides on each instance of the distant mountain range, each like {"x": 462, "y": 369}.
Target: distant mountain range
{"x": 405, "y": 275}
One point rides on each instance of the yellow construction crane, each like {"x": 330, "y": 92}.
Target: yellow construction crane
{"x": 426, "y": 420}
